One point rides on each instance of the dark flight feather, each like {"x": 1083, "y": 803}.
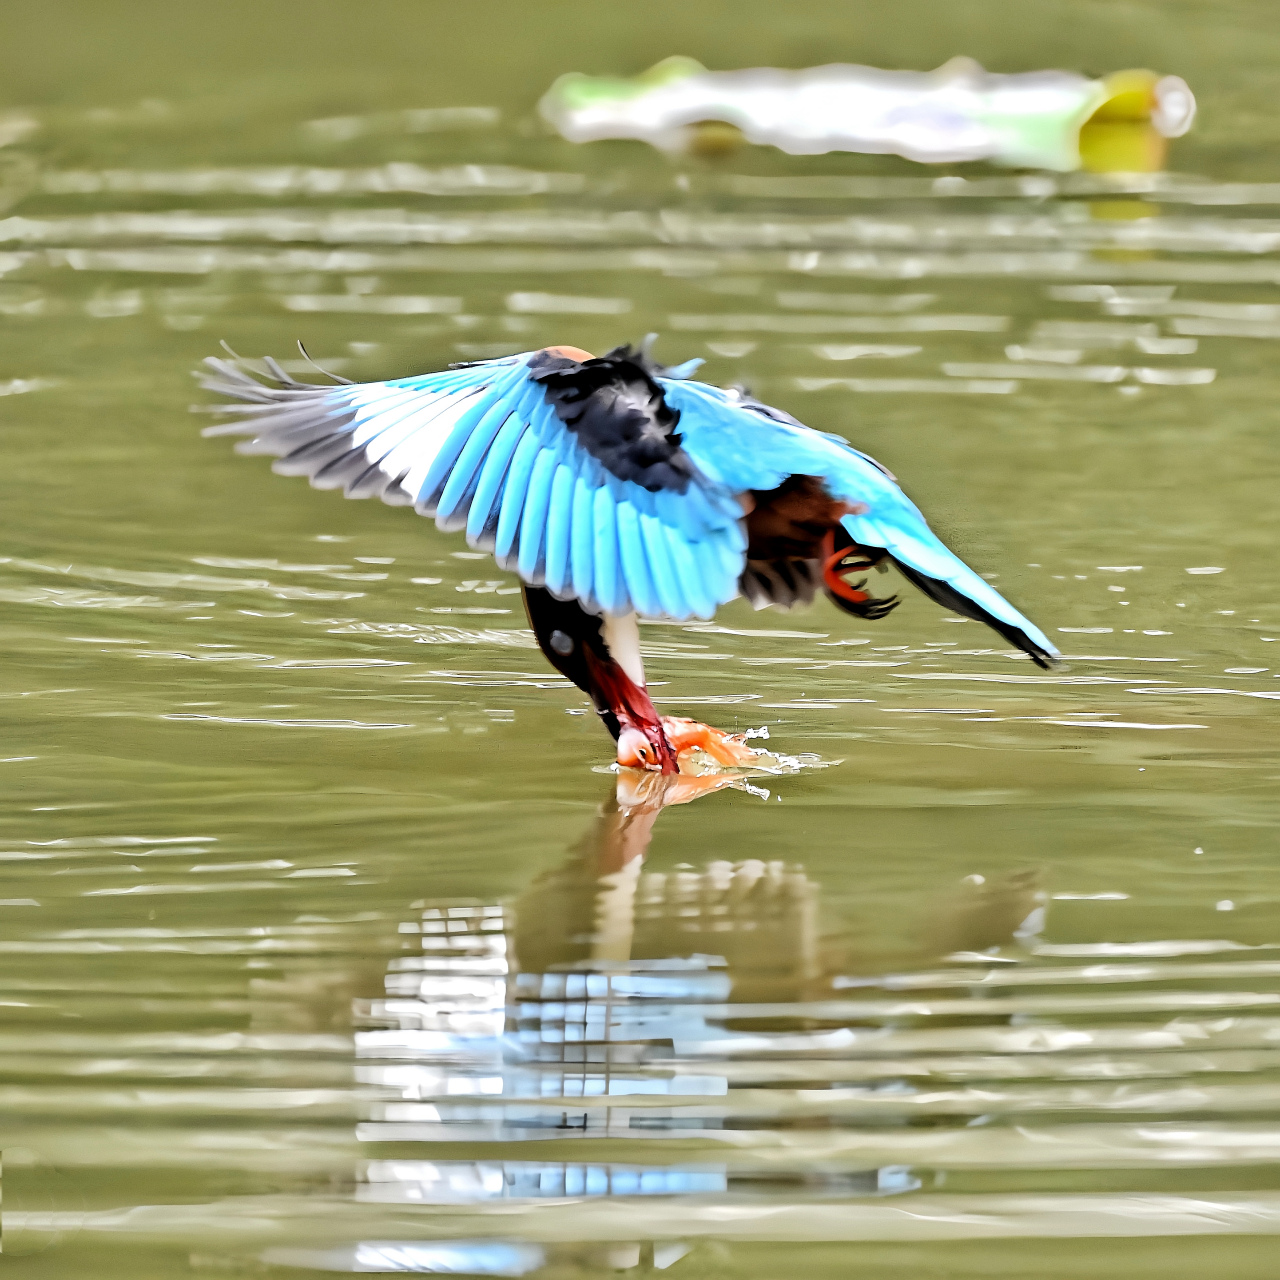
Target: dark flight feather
{"x": 618, "y": 413}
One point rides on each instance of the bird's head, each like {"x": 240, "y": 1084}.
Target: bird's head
{"x": 646, "y": 747}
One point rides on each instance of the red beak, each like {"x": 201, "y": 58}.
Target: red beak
{"x": 632, "y": 707}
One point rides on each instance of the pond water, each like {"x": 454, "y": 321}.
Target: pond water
{"x": 324, "y": 945}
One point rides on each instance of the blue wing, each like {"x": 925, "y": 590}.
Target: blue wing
{"x": 742, "y": 445}
{"x": 481, "y": 450}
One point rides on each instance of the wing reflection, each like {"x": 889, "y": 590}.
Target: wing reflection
{"x": 516, "y": 1022}
{"x": 612, "y": 1002}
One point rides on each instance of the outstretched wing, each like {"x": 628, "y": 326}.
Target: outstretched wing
{"x": 742, "y": 444}
{"x": 485, "y": 448}
{"x": 575, "y": 476}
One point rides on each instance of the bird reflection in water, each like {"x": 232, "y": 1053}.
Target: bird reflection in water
{"x": 613, "y": 1003}
{"x": 752, "y": 923}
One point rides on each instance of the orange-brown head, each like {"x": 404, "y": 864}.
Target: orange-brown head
{"x": 571, "y": 353}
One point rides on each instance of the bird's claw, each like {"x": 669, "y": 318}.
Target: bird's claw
{"x": 687, "y": 735}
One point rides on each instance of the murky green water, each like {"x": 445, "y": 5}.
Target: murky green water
{"x": 322, "y": 945}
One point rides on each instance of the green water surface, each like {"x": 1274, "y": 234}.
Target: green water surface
{"x": 993, "y": 993}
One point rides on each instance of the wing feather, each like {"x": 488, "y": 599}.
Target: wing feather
{"x": 661, "y": 569}
{"x": 606, "y": 571}
{"x": 559, "y": 527}
{"x": 486, "y": 503}
{"x": 465, "y": 471}
{"x": 635, "y": 564}
{"x": 482, "y": 447}
{"x": 410, "y": 421}
{"x": 297, "y": 428}
{"x": 747, "y": 446}
{"x": 387, "y": 413}
{"x": 514, "y": 495}
{"x": 582, "y": 537}
{"x": 414, "y": 454}
{"x": 533, "y": 521}
{"x": 371, "y": 439}
{"x": 688, "y": 567}
{"x": 464, "y": 479}
{"x": 926, "y": 562}
{"x": 343, "y": 471}
{"x": 453, "y": 427}
{"x": 312, "y": 457}
{"x": 374, "y": 482}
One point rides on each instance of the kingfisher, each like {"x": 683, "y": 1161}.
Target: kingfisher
{"x": 615, "y": 489}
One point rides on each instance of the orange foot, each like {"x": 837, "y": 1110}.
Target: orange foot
{"x": 649, "y": 792}
{"x": 725, "y": 748}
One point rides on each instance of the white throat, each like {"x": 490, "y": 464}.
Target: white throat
{"x": 622, "y": 639}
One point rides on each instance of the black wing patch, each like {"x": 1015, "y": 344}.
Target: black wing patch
{"x": 617, "y": 411}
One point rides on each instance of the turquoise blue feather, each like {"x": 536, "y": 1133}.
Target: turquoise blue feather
{"x": 515, "y": 494}
{"x": 438, "y": 473}
{"x": 687, "y": 558}
{"x": 374, "y": 419}
{"x": 477, "y": 375}
{"x": 635, "y": 564}
{"x": 477, "y": 452}
{"x": 403, "y": 410}
{"x": 481, "y": 447}
{"x": 486, "y": 502}
{"x": 661, "y": 569}
{"x": 582, "y": 537}
{"x": 465, "y": 471}
{"x": 610, "y": 590}
{"x": 533, "y": 523}
{"x": 559, "y": 527}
